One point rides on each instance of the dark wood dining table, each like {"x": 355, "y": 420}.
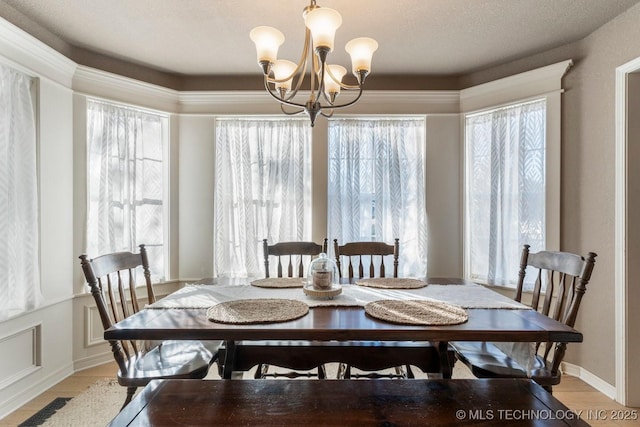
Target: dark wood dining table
{"x": 339, "y": 323}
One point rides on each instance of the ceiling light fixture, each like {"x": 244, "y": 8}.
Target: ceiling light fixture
{"x": 283, "y": 79}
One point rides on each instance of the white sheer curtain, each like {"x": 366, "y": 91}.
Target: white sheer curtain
{"x": 377, "y": 186}
{"x": 125, "y": 182}
{"x": 19, "y": 236}
{"x": 505, "y": 189}
{"x": 262, "y": 190}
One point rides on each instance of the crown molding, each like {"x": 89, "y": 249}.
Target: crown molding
{"x": 31, "y": 56}
{"x": 94, "y": 82}
{"x": 520, "y": 86}
{"x": 261, "y": 97}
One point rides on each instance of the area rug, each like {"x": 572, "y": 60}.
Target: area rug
{"x": 101, "y": 402}
{"x": 95, "y": 406}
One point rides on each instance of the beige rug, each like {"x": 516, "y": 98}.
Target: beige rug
{"x": 95, "y": 406}
{"x": 101, "y": 402}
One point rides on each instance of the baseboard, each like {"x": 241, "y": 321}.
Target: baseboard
{"x": 594, "y": 381}
{"x": 92, "y": 361}
{"x": 34, "y": 390}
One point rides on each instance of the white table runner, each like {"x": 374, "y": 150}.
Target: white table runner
{"x": 465, "y": 296}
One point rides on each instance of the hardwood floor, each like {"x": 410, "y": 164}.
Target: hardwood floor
{"x": 69, "y": 387}
{"x": 597, "y": 409}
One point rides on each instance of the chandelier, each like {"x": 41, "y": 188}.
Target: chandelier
{"x": 283, "y": 79}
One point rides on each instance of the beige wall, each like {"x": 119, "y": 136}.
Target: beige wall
{"x": 588, "y": 166}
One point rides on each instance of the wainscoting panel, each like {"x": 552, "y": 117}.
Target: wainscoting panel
{"x": 25, "y": 348}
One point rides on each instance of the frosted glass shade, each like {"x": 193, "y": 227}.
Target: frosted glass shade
{"x": 331, "y": 86}
{"x": 361, "y": 51}
{"x": 281, "y": 70}
{"x": 267, "y": 40}
{"x": 323, "y": 23}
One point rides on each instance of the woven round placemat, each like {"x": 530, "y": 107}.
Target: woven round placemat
{"x": 391, "y": 283}
{"x": 269, "y": 310}
{"x": 416, "y": 312}
{"x": 280, "y": 282}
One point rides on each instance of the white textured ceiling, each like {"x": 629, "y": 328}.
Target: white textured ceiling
{"x": 427, "y": 37}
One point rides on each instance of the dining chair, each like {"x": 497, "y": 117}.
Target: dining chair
{"x": 560, "y": 280}
{"x": 300, "y": 253}
{"x": 355, "y": 256}
{"x": 375, "y": 252}
{"x": 113, "y": 280}
{"x": 295, "y": 355}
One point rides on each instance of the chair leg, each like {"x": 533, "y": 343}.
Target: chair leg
{"x": 322, "y": 373}
{"x": 409, "y": 372}
{"x": 130, "y": 392}
{"x": 261, "y": 371}
{"x": 344, "y": 372}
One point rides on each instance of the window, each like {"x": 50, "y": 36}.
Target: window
{"x": 262, "y": 190}
{"x": 19, "y": 236}
{"x": 505, "y": 189}
{"x": 126, "y": 181}
{"x": 377, "y": 185}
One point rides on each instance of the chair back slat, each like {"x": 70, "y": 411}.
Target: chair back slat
{"x": 132, "y": 293}
{"x": 300, "y": 268}
{"x": 115, "y": 315}
{"x": 122, "y": 295}
{"x": 549, "y": 293}
{"x": 355, "y": 251}
{"x": 295, "y": 254}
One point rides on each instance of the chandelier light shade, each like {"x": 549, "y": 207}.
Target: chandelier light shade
{"x": 283, "y": 79}
{"x": 268, "y": 41}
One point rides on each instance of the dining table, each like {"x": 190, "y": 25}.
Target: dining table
{"x": 490, "y": 316}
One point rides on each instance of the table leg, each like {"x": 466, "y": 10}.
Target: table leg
{"x": 445, "y": 364}
{"x": 229, "y": 359}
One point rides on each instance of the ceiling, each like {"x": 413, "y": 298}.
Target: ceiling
{"x": 211, "y": 37}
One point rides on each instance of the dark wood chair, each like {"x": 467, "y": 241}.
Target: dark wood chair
{"x": 560, "y": 283}
{"x": 372, "y": 254}
{"x": 295, "y": 255}
{"x": 112, "y": 279}
{"x": 299, "y": 252}
{"x": 355, "y": 251}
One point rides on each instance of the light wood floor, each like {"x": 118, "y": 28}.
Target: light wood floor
{"x": 597, "y": 409}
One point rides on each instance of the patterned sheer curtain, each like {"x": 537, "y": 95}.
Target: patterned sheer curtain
{"x": 19, "y": 236}
{"x": 505, "y": 189}
{"x": 377, "y": 186}
{"x": 125, "y": 181}
{"x": 262, "y": 190}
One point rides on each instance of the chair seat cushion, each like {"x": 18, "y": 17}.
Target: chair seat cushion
{"x": 170, "y": 359}
{"x": 487, "y": 361}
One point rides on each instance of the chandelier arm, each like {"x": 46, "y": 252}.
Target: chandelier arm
{"x": 281, "y": 100}
{"x": 302, "y": 63}
{"x": 313, "y": 74}
{"x": 347, "y": 104}
{"x": 321, "y": 88}
{"x": 327, "y": 115}
{"x": 342, "y": 85}
{"x": 300, "y": 78}
{"x": 291, "y": 113}
{"x": 350, "y": 87}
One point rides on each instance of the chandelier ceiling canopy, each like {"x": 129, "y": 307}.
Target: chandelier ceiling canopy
{"x": 283, "y": 79}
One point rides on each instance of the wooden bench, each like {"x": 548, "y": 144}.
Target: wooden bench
{"x": 495, "y": 402}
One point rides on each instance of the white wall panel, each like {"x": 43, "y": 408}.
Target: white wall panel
{"x": 21, "y": 352}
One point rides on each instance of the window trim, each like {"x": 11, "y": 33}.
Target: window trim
{"x": 166, "y": 171}
{"x": 542, "y": 83}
